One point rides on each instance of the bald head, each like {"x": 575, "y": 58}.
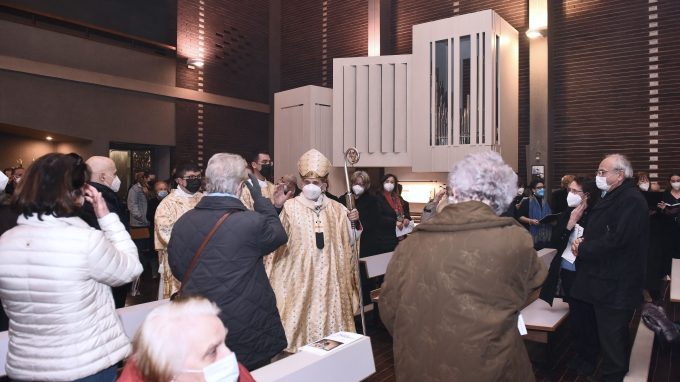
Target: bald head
{"x": 103, "y": 170}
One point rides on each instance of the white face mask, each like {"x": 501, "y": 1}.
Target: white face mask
{"x": 389, "y": 187}
{"x": 358, "y": 190}
{"x": 675, "y": 185}
{"x": 644, "y": 186}
{"x": 601, "y": 182}
{"x": 224, "y": 370}
{"x": 3, "y": 181}
{"x": 311, "y": 191}
{"x": 573, "y": 199}
{"x": 115, "y": 184}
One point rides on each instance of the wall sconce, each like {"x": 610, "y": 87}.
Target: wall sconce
{"x": 536, "y": 33}
{"x": 197, "y": 62}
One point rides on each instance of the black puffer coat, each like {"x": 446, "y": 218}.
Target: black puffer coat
{"x": 230, "y": 271}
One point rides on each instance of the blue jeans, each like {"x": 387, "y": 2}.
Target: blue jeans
{"x": 106, "y": 375}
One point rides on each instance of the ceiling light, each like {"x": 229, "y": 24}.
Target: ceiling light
{"x": 197, "y": 62}
{"x": 536, "y": 33}
{"x": 49, "y": 138}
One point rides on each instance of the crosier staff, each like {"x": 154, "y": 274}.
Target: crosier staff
{"x": 352, "y": 156}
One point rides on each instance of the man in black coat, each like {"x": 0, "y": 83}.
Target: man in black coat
{"x": 611, "y": 259}
{"x": 103, "y": 177}
{"x": 230, "y": 271}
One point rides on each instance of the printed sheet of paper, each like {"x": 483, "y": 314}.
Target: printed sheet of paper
{"x": 575, "y": 234}
{"x": 331, "y": 342}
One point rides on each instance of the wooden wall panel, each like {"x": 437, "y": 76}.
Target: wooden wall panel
{"x": 669, "y": 87}
{"x": 301, "y": 35}
{"x": 407, "y": 13}
{"x": 600, "y": 83}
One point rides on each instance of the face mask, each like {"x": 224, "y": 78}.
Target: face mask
{"x": 675, "y": 185}
{"x": 224, "y": 370}
{"x": 3, "y": 181}
{"x": 193, "y": 185}
{"x": 267, "y": 170}
{"x": 540, "y": 193}
{"x": 162, "y": 194}
{"x": 389, "y": 187}
{"x": 358, "y": 190}
{"x": 311, "y": 191}
{"x": 644, "y": 186}
{"x": 573, "y": 199}
{"x": 601, "y": 182}
{"x": 115, "y": 184}
{"x": 520, "y": 191}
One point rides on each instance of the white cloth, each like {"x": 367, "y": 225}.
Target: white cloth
{"x": 54, "y": 284}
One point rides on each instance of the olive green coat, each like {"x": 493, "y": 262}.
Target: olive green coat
{"x": 452, "y": 293}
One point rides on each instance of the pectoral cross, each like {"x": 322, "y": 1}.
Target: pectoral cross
{"x": 318, "y": 228}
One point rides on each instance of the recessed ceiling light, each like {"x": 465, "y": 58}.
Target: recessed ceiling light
{"x": 49, "y": 138}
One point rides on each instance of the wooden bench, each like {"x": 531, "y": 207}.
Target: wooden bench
{"x": 353, "y": 362}
{"x": 541, "y": 319}
{"x": 675, "y": 281}
{"x": 375, "y": 266}
{"x": 131, "y": 317}
{"x": 640, "y": 355}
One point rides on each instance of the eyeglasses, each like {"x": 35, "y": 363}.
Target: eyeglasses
{"x": 575, "y": 191}
{"x": 602, "y": 172}
{"x": 192, "y": 177}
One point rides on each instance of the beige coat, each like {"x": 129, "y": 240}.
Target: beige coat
{"x": 452, "y": 294}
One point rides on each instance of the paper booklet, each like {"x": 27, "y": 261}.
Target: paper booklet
{"x": 575, "y": 234}
{"x": 406, "y": 230}
{"x": 331, "y": 342}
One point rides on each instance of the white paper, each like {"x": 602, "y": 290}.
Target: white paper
{"x": 331, "y": 342}
{"x": 406, "y": 230}
{"x": 520, "y": 325}
{"x": 575, "y": 234}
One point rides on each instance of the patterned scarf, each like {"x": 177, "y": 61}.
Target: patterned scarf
{"x": 395, "y": 202}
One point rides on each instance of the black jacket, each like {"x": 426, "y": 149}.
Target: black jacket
{"x": 111, "y": 198}
{"x": 385, "y": 237}
{"x": 230, "y": 271}
{"x": 559, "y": 240}
{"x": 558, "y": 201}
{"x": 613, "y": 255}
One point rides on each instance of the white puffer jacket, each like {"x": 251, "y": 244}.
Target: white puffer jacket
{"x": 54, "y": 285}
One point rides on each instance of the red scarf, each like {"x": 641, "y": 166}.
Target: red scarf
{"x": 395, "y": 202}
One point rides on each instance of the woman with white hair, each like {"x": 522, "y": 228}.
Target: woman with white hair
{"x": 183, "y": 341}
{"x": 453, "y": 290}
{"x": 229, "y": 270}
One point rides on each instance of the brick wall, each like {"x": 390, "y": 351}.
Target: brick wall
{"x": 232, "y": 38}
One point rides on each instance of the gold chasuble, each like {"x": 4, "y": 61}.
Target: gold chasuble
{"x": 316, "y": 289}
{"x": 267, "y": 191}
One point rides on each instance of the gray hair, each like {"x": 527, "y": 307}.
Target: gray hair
{"x": 622, "y": 163}
{"x": 484, "y": 177}
{"x": 225, "y": 172}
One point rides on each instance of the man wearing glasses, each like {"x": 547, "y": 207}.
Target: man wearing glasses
{"x": 611, "y": 259}
{"x": 171, "y": 208}
{"x": 263, "y": 168}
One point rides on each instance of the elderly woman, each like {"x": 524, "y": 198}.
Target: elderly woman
{"x": 55, "y": 273}
{"x": 453, "y": 290}
{"x": 229, "y": 270}
{"x": 183, "y": 341}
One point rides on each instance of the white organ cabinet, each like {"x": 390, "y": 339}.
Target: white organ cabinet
{"x": 465, "y": 90}
{"x": 456, "y": 94}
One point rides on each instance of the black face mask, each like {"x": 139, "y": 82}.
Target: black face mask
{"x": 267, "y": 170}
{"x": 193, "y": 185}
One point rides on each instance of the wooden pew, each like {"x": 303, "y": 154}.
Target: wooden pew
{"x": 640, "y": 355}
{"x": 130, "y": 316}
{"x": 375, "y": 266}
{"x": 541, "y": 319}
{"x": 348, "y": 363}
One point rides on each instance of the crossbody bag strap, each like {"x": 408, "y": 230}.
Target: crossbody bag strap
{"x": 200, "y": 249}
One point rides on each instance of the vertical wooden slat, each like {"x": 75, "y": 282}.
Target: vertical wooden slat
{"x": 400, "y": 108}
{"x": 362, "y": 108}
{"x": 349, "y": 101}
{"x": 374, "y": 108}
{"x": 387, "y": 99}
